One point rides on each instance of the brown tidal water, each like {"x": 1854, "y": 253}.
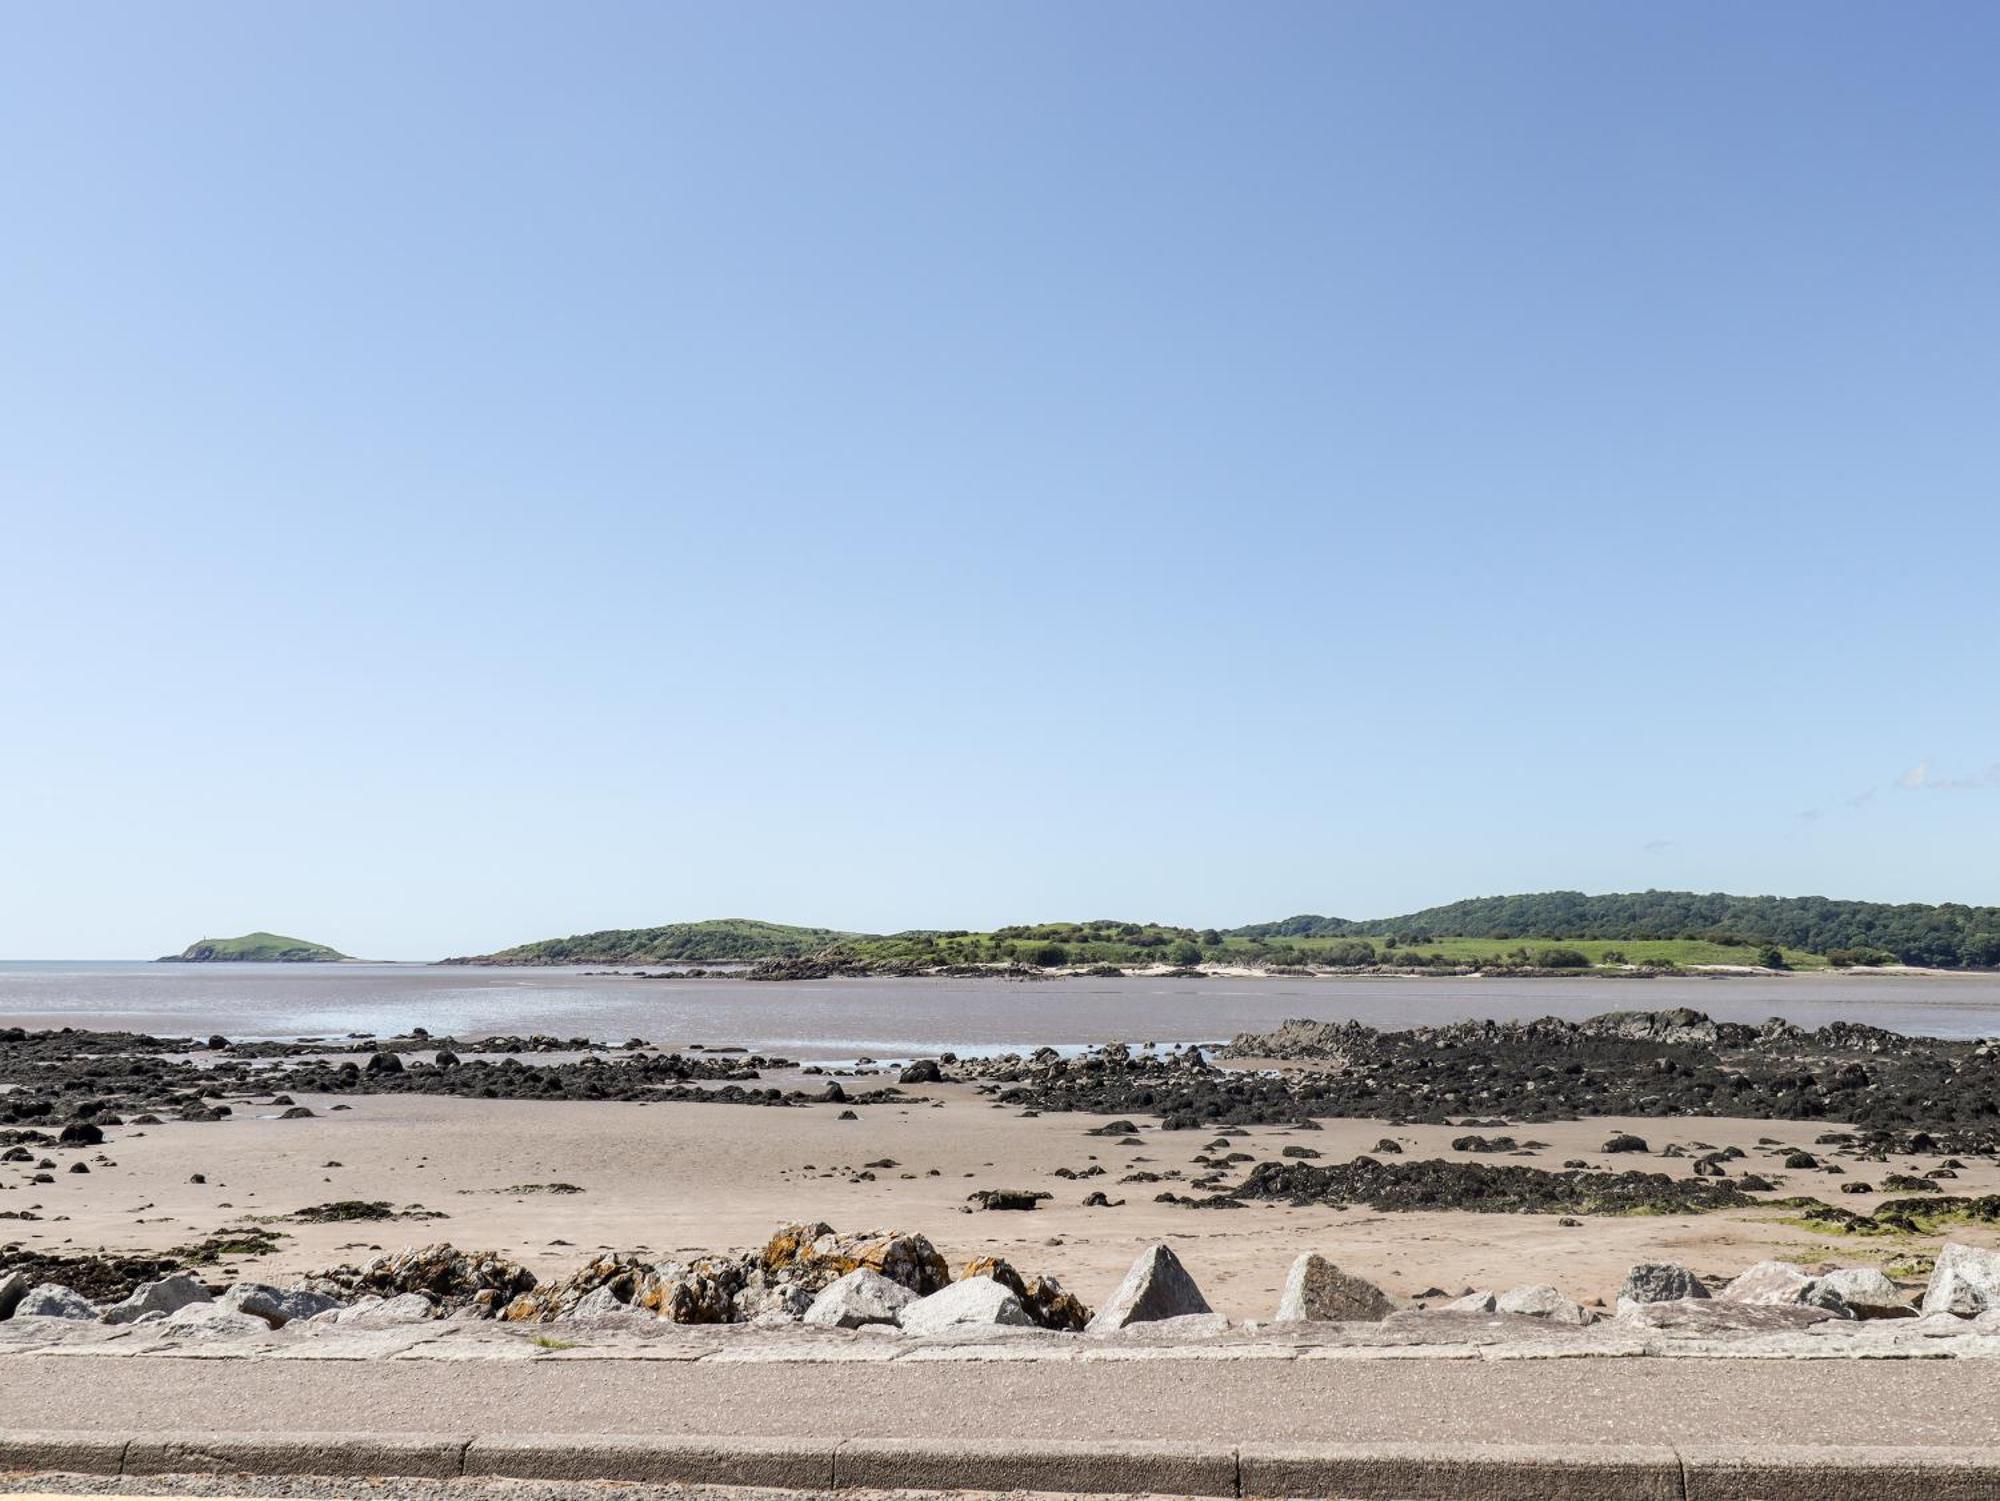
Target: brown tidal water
{"x": 888, "y": 1019}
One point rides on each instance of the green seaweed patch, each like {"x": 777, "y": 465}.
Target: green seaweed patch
{"x": 1931, "y": 1215}
{"x": 237, "y": 1240}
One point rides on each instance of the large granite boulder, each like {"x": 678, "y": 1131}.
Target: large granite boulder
{"x": 165, "y": 1295}
{"x": 51, "y": 1300}
{"x": 1868, "y": 1293}
{"x": 277, "y": 1307}
{"x": 1157, "y": 1287}
{"x": 1541, "y": 1302}
{"x": 860, "y": 1297}
{"x": 1964, "y": 1281}
{"x": 1317, "y": 1290}
{"x": 977, "y": 1302}
{"x": 1777, "y": 1283}
{"x": 1660, "y": 1282}
{"x": 1047, "y": 1302}
{"x": 1479, "y": 1300}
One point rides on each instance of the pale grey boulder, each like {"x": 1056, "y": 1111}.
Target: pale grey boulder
{"x": 1318, "y": 1291}
{"x": 598, "y": 1303}
{"x": 767, "y": 1301}
{"x": 1157, "y": 1287}
{"x": 404, "y": 1308}
{"x": 1965, "y": 1281}
{"x": 206, "y": 1320}
{"x": 1868, "y": 1292}
{"x": 1714, "y": 1316}
{"x": 1477, "y": 1301}
{"x": 51, "y": 1300}
{"x": 1778, "y": 1283}
{"x": 975, "y": 1302}
{"x": 1542, "y": 1303}
{"x": 277, "y": 1307}
{"x": 1775, "y": 1282}
{"x": 1179, "y": 1328}
{"x": 860, "y": 1297}
{"x": 1660, "y": 1282}
{"x": 165, "y": 1295}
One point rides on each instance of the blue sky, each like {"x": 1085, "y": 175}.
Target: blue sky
{"x": 475, "y": 472}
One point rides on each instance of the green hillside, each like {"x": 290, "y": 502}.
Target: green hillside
{"x": 724, "y": 938}
{"x": 1945, "y": 936}
{"x": 254, "y": 948}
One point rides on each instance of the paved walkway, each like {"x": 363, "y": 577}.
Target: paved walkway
{"x": 1571, "y": 1401}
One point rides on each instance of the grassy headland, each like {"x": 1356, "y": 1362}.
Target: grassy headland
{"x": 723, "y": 939}
{"x": 1559, "y": 932}
{"x": 254, "y": 948}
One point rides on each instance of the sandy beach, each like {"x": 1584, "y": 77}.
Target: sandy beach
{"x": 677, "y": 1178}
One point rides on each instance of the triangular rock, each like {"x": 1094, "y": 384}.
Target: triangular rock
{"x": 1317, "y": 1289}
{"x": 1157, "y": 1287}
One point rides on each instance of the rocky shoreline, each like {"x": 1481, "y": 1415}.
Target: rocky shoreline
{"x": 1668, "y": 1063}
{"x": 811, "y": 1276}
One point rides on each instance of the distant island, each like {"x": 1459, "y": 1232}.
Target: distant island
{"x": 1551, "y": 931}
{"x": 254, "y": 948}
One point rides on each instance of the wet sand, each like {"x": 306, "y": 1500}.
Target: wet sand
{"x": 678, "y": 1178}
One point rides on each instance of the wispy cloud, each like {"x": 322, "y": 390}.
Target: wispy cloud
{"x": 1659, "y": 846}
{"x": 1920, "y": 778}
